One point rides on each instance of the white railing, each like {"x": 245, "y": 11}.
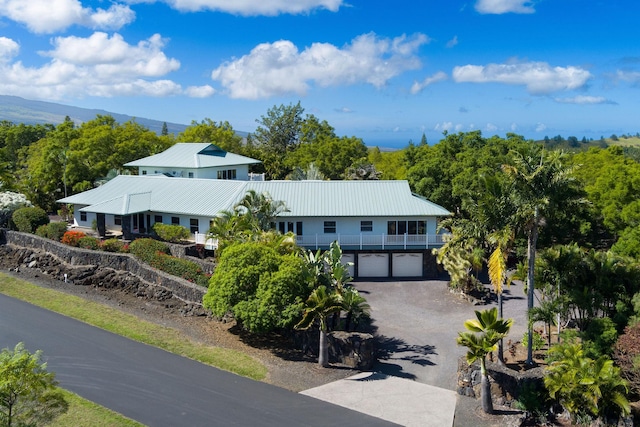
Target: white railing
{"x": 201, "y": 239}
{"x": 373, "y": 241}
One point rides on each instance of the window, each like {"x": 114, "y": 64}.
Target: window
{"x": 157, "y": 218}
{"x": 227, "y": 174}
{"x": 117, "y": 219}
{"x": 299, "y": 228}
{"x": 144, "y": 172}
{"x": 281, "y": 227}
{"x": 406, "y": 227}
{"x": 366, "y": 226}
{"x": 83, "y": 216}
{"x": 175, "y": 220}
{"x": 329, "y": 227}
{"x": 193, "y": 225}
{"x": 190, "y": 174}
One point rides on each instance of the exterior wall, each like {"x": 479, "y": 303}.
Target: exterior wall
{"x": 242, "y": 172}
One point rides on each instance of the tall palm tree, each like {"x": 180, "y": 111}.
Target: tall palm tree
{"x": 541, "y": 182}
{"x": 497, "y": 267}
{"x": 482, "y": 337}
{"x": 320, "y": 304}
{"x": 261, "y": 209}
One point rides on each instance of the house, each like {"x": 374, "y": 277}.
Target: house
{"x": 196, "y": 160}
{"x": 383, "y": 228}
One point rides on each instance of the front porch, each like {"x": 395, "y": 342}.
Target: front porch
{"x": 372, "y": 241}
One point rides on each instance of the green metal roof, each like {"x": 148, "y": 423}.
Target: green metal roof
{"x": 193, "y": 155}
{"x": 128, "y": 194}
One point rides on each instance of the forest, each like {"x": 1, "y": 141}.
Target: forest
{"x": 561, "y": 215}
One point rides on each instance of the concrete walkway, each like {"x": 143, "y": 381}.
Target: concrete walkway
{"x": 393, "y": 399}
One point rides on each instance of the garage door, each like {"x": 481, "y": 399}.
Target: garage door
{"x": 407, "y": 265}
{"x": 349, "y": 258}
{"x": 373, "y": 265}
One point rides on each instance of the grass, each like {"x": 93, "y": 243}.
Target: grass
{"x": 132, "y": 327}
{"x": 83, "y": 412}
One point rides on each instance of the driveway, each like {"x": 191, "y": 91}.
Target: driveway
{"x": 418, "y": 322}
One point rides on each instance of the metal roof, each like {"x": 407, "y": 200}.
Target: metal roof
{"x": 193, "y": 155}
{"x": 127, "y": 194}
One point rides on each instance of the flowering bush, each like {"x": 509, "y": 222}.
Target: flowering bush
{"x": 72, "y": 238}
{"x": 9, "y": 202}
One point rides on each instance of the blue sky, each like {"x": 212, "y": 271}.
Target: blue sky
{"x": 384, "y": 71}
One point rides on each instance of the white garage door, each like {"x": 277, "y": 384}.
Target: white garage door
{"x": 407, "y": 265}
{"x": 373, "y": 265}
{"x": 349, "y": 258}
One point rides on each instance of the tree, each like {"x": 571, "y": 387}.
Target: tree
{"x": 320, "y": 304}
{"x": 28, "y": 393}
{"x": 482, "y": 338}
{"x": 219, "y": 133}
{"x": 541, "y": 183}
{"x": 260, "y": 209}
{"x": 277, "y": 135}
{"x": 497, "y": 267}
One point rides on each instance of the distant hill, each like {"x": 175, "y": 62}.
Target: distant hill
{"x": 20, "y": 110}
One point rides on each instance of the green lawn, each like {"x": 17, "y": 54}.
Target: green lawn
{"x": 129, "y": 326}
{"x": 83, "y": 412}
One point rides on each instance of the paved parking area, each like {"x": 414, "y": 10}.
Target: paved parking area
{"x": 418, "y": 322}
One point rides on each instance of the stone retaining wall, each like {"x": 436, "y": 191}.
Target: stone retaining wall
{"x": 76, "y": 258}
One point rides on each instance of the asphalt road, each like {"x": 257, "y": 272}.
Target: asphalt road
{"x": 153, "y": 386}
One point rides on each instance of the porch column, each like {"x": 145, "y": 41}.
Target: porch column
{"x": 126, "y": 227}
{"x": 101, "y": 224}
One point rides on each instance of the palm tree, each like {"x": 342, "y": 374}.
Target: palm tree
{"x": 261, "y": 209}
{"x": 541, "y": 182}
{"x": 355, "y": 306}
{"x": 320, "y": 304}
{"x": 497, "y": 266}
{"x": 482, "y": 337}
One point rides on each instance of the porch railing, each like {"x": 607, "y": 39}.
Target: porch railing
{"x": 201, "y": 239}
{"x": 373, "y": 241}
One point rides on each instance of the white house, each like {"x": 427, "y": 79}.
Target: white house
{"x": 384, "y": 229}
{"x": 196, "y": 160}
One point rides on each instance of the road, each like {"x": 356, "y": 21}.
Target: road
{"x": 153, "y": 386}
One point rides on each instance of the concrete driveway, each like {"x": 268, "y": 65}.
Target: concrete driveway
{"x": 418, "y": 322}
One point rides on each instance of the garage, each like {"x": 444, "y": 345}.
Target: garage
{"x": 350, "y": 259}
{"x": 373, "y": 265}
{"x": 407, "y": 264}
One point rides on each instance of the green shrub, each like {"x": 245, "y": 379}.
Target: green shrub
{"x": 53, "y": 230}
{"x": 88, "y": 242}
{"x": 27, "y": 220}
{"x": 600, "y": 336}
{"x": 146, "y": 249}
{"x": 537, "y": 341}
{"x": 178, "y": 267}
{"x": 113, "y": 245}
{"x": 171, "y": 232}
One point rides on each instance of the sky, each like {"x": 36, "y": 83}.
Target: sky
{"x": 384, "y": 71}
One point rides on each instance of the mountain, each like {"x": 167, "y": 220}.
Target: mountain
{"x": 20, "y": 110}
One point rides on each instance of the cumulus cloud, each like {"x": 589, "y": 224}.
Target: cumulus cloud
{"x": 8, "y": 49}
{"x": 419, "y": 86}
{"x": 251, "y": 7}
{"x": 98, "y": 65}
{"x": 490, "y": 127}
{"x": 632, "y": 77}
{"x": 452, "y": 42}
{"x": 583, "y": 99}
{"x": 204, "y": 91}
{"x": 48, "y": 16}
{"x": 273, "y": 69}
{"x": 538, "y": 77}
{"x": 541, "y": 127}
{"x": 444, "y": 126}
{"x": 499, "y": 7}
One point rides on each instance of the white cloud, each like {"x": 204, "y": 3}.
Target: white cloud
{"x": 632, "y": 77}
{"x": 541, "y": 127}
{"x": 583, "y": 99}
{"x": 278, "y": 68}
{"x": 8, "y": 49}
{"x": 538, "y": 77}
{"x": 444, "y": 126}
{"x": 204, "y": 91}
{"x": 95, "y": 66}
{"x": 490, "y": 127}
{"x": 504, "y": 6}
{"x": 48, "y": 16}
{"x": 454, "y": 41}
{"x": 345, "y": 110}
{"x": 251, "y": 7}
{"x": 419, "y": 86}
